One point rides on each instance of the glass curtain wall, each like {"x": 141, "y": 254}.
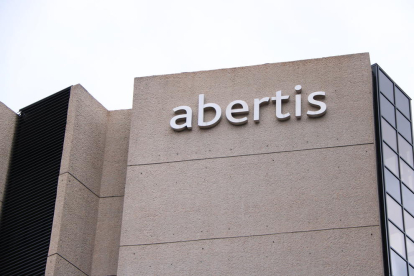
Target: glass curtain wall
{"x": 396, "y": 173}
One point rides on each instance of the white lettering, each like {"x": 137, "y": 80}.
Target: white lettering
{"x": 313, "y": 102}
{"x": 257, "y": 104}
{"x": 187, "y": 117}
{"x": 240, "y": 111}
{"x": 202, "y": 107}
{"x": 279, "y": 99}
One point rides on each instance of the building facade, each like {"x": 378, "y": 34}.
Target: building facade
{"x": 295, "y": 168}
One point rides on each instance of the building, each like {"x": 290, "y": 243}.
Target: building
{"x": 215, "y": 173}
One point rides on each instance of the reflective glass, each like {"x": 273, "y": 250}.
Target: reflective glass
{"x": 387, "y": 110}
{"x": 392, "y": 185}
{"x": 390, "y": 159}
{"x": 402, "y": 102}
{"x": 394, "y": 212}
{"x": 404, "y": 127}
{"x": 409, "y": 224}
{"x": 389, "y": 134}
{"x": 406, "y": 151}
{"x": 407, "y": 175}
{"x": 386, "y": 86}
{"x": 408, "y": 199}
{"x": 411, "y": 271}
{"x": 399, "y": 266}
{"x": 410, "y": 251}
{"x": 396, "y": 239}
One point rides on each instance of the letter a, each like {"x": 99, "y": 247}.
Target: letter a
{"x": 187, "y": 117}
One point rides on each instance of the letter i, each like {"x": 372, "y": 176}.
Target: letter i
{"x": 298, "y": 102}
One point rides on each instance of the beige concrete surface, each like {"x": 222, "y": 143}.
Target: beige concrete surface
{"x": 84, "y": 146}
{"x": 349, "y": 118}
{"x": 7, "y": 127}
{"x": 354, "y": 251}
{"x": 116, "y": 153}
{"x": 108, "y": 232}
{"x": 57, "y": 266}
{"x": 251, "y": 195}
{"x": 88, "y": 212}
{"x": 74, "y": 223}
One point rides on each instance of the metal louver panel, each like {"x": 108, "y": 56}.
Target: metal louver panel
{"x": 30, "y": 195}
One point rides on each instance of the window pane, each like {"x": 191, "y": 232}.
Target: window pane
{"x": 394, "y": 212}
{"x": 407, "y": 175}
{"x": 402, "y": 102}
{"x": 392, "y": 185}
{"x": 396, "y": 239}
{"x": 387, "y": 110}
{"x": 411, "y": 271}
{"x": 390, "y": 159}
{"x": 408, "y": 199}
{"x": 409, "y": 224}
{"x": 399, "y": 266}
{"x": 406, "y": 151}
{"x": 386, "y": 86}
{"x": 404, "y": 127}
{"x": 410, "y": 251}
{"x": 389, "y": 134}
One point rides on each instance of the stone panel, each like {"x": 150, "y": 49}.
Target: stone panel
{"x": 352, "y": 251}
{"x": 108, "y": 233}
{"x": 116, "y": 153}
{"x": 251, "y": 195}
{"x": 74, "y": 223}
{"x": 84, "y": 146}
{"x": 7, "y": 127}
{"x": 346, "y": 80}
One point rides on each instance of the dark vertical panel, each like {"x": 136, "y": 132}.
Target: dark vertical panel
{"x": 30, "y": 195}
{"x": 396, "y": 186}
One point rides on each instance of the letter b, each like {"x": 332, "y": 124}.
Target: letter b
{"x": 202, "y": 107}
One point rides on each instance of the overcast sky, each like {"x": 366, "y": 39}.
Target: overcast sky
{"x": 48, "y": 45}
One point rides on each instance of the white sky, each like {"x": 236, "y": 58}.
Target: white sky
{"x": 48, "y": 45}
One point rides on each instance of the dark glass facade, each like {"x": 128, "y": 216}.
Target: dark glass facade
{"x": 396, "y": 173}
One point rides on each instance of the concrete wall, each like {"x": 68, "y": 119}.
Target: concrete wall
{"x": 297, "y": 197}
{"x": 7, "y": 127}
{"x": 86, "y": 225}
{"x": 108, "y": 233}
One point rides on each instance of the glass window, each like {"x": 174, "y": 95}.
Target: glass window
{"x": 390, "y": 159}
{"x": 389, "y": 134}
{"x": 410, "y": 251}
{"x": 408, "y": 199}
{"x": 392, "y": 185}
{"x": 394, "y": 212}
{"x": 399, "y": 266}
{"x": 404, "y": 127}
{"x": 411, "y": 271}
{"x": 406, "y": 151}
{"x": 386, "y": 86}
{"x": 387, "y": 110}
{"x": 407, "y": 175}
{"x": 396, "y": 239}
{"x": 402, "y": 102}
{"x": 409, "y": 224}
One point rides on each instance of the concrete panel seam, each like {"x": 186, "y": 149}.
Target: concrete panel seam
{"x": 80, "y": 182}
{"x": 250, "y": 236}
{"x": 88, "y": 188}
{"x": 111, "y": 196}
{"x": 251, "y": 154}
{"x": 68, "y": 262}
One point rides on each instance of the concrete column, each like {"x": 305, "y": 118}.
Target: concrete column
{"x": 7, "y": 128}
{"x": 86, "y": 226}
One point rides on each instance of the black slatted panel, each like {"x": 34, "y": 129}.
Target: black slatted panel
{"x": 30, "y": 195}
